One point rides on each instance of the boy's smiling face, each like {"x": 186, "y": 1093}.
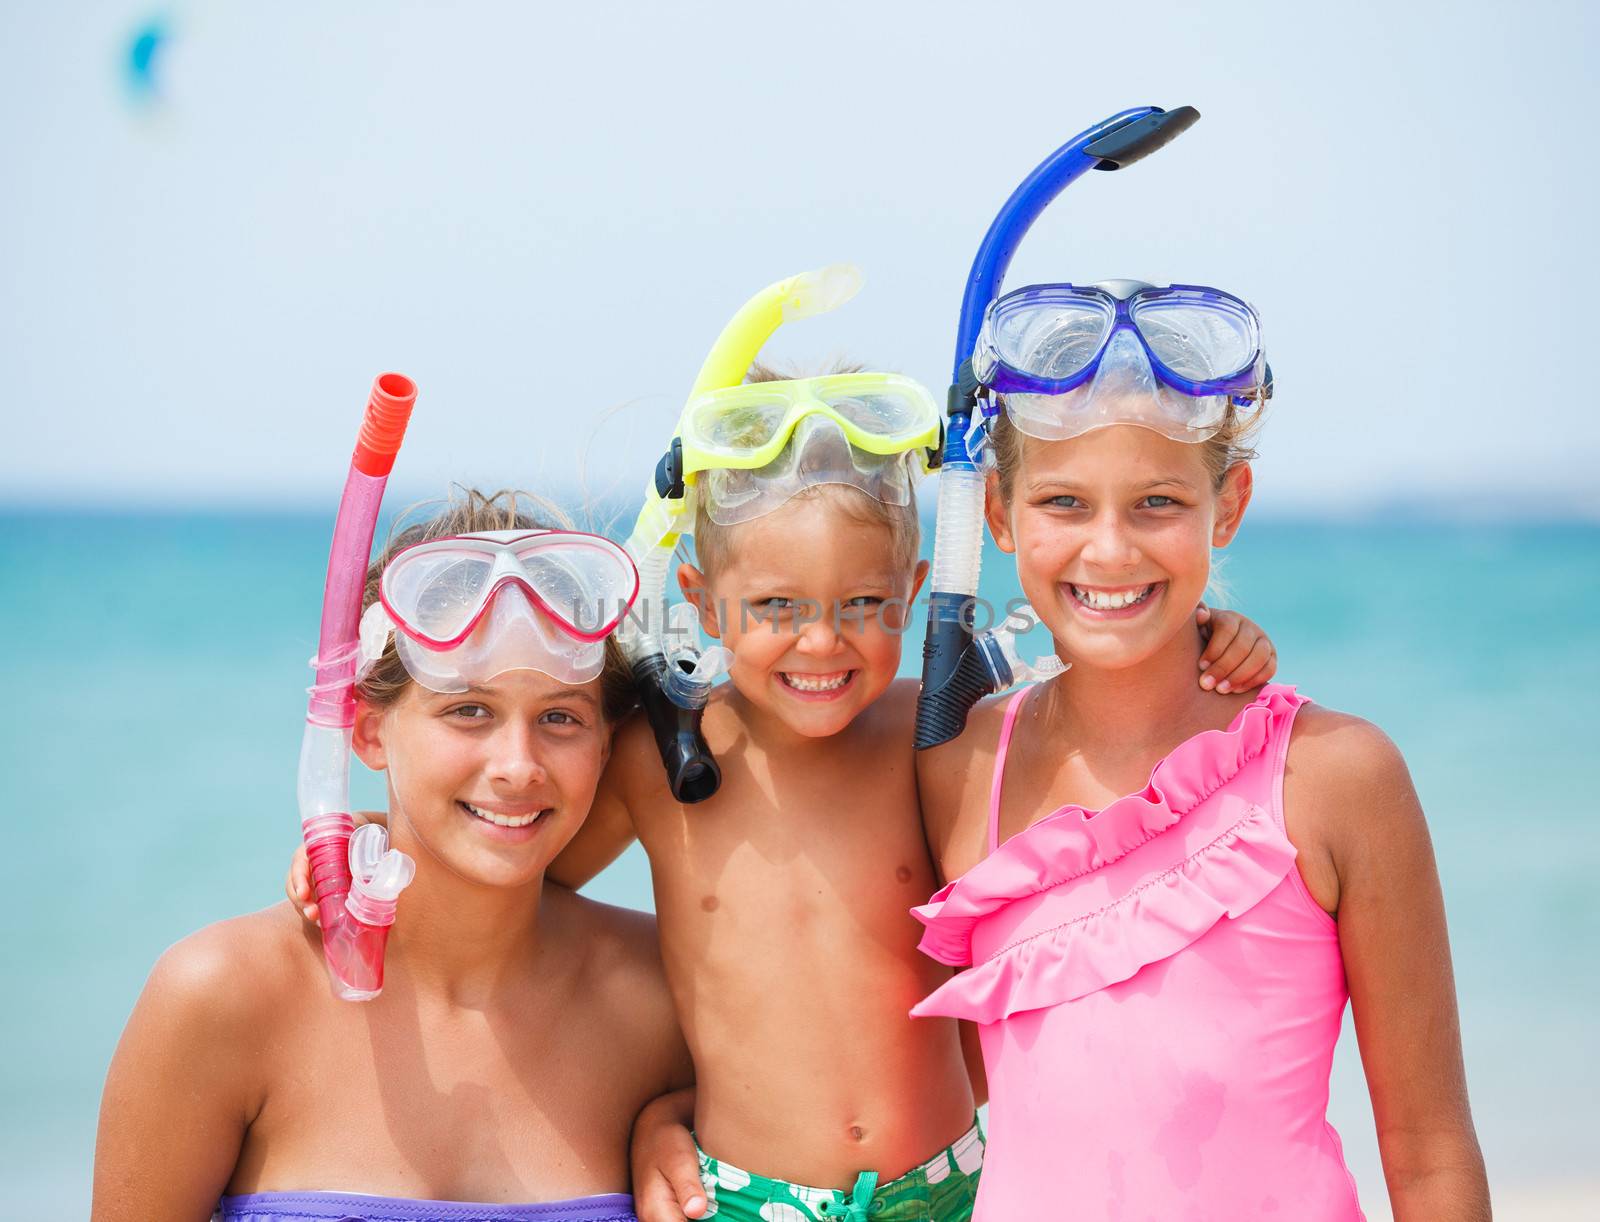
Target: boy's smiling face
{"x": 813, "y": 602}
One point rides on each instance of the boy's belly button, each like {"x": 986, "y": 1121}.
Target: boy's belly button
{"x": 709, "y": 903}
{"x": 903, "y": 873}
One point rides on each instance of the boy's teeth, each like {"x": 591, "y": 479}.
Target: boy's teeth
{"x": 1107, "y": 600}
{"x": 504, "y": 820}
{"x": 817, "y": 683}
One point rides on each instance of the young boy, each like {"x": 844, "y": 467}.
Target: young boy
{"x": 783, "y": 900}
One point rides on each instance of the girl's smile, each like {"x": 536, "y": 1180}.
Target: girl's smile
{"x": 1114, "y": 602}
{"x": 508, "y": 823}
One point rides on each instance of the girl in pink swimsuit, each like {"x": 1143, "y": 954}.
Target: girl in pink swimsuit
{"x": 1163, "y": 897}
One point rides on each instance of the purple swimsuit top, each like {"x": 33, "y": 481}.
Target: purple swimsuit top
{"x": 359, "y": 1207}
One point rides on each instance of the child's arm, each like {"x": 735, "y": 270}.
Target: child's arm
{"x": 179, "y": 1095}
{"x": 1238, "y": 656}
{"x": 604, "y": 835}
{"x": 609, "y": 828}
{"x": 666, "y": 1167}
{"x": 1367, "y": 826}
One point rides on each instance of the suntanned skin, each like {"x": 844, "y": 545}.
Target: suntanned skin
{"x": 783, "y": 901}
{"x": 1349, "y": 806}
{"x": 257, "y": 1079}
{"x": 520, "y": 1030}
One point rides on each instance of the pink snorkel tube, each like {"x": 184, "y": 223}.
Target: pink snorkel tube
{"x": 357, "y": 878}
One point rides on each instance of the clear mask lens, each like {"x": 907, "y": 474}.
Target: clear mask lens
{"x": 514, "y": 635}
{"x": 818, "y": 453}
{"x": 1197, "y": 341}
{"x": 747, "y": 424}
{"x": 440, "y": 592}
{"x": 1056, "y": 340}
{"x": 882, "y": 414}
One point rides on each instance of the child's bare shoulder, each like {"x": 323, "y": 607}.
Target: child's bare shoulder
{"x": 976, "y": 743}
{"x": 955, "y": 774}
{"x": 621, "y": 951}
{"x": 234, "y": 976}
{"x": 1334, "y": 750}
{"x": 899, "y": 702}
{"x": 612, "y": 937}
{"x": 1346, "y": 785}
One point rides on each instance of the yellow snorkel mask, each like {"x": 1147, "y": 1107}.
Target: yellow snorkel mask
{"x": 746, "y": 449}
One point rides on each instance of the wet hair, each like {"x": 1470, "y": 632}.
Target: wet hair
{"x": 714, "y": 543}
{"x": 469, "y": 511}
{"x": 1230, "y": 445}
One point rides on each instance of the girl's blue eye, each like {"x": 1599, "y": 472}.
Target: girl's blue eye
{"x": 1157, "y": 501}
{"x": 1065, "y": 501}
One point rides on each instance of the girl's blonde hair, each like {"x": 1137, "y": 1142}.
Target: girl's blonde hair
{"x": 469, "y": 511}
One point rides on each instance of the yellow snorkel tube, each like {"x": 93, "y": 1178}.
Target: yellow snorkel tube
{"x": 673, "y": 674}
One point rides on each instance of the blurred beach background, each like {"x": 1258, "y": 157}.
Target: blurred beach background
{"x": 220, "y": 221}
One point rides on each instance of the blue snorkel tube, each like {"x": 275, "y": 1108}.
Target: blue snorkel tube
{"x": 959, "y": 669}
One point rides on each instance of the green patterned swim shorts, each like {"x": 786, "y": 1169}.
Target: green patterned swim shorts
{"x": 942, "y": 1189}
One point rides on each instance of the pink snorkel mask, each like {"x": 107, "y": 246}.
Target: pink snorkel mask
{"x": 464, "y": 609}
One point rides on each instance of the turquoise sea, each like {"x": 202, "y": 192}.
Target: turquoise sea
{"x": 156, "y": 666}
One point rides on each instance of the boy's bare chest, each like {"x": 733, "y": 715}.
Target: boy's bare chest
{"x": 805, "y": 856}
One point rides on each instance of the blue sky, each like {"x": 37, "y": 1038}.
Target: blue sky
{"x": 545, "y": 218}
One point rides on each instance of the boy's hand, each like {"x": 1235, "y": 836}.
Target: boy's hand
{"x": 666, "y": 1167}
{"x": 297, "y": 883}
{"x": 1238, "y": 656}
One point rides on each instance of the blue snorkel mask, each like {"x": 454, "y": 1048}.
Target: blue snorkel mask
{"x": 1060, "y": 360}
{"x": 1064, "y": 359}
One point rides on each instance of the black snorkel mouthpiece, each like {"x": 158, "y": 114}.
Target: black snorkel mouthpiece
{"x": 957, "y": 671}
{"x": 692, "y": 772}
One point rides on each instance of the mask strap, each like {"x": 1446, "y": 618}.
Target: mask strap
{"x": 376, "y": 628}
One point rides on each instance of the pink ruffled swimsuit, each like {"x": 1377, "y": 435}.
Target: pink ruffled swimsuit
{"x": 1148, "y": 1058}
